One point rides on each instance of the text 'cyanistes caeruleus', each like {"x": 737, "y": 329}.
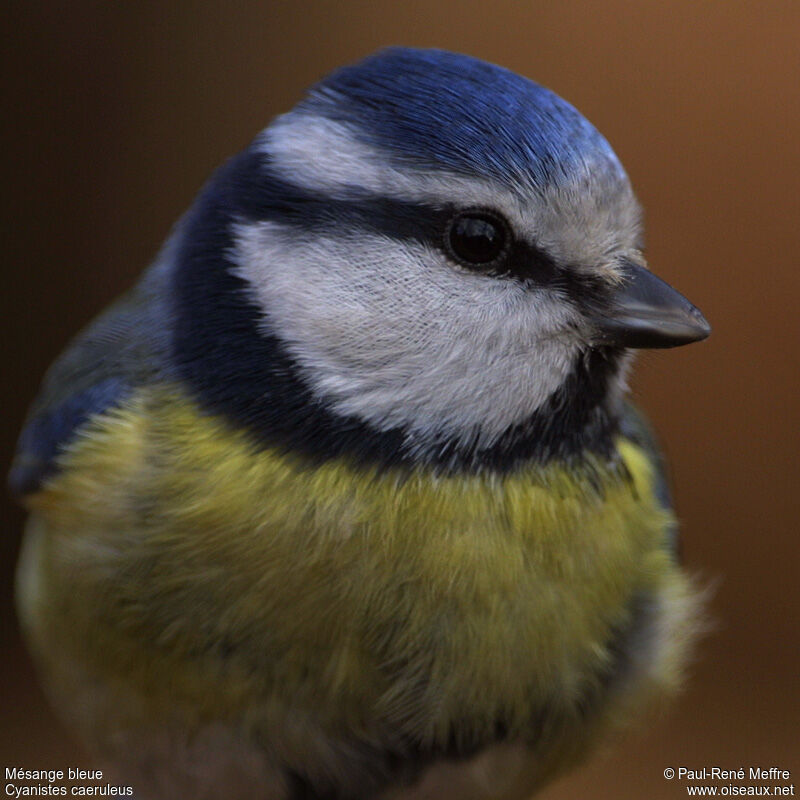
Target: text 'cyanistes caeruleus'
{"x": 345, "y": 500}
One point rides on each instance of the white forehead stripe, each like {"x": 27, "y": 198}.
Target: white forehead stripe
{"x": 325, "y": 156}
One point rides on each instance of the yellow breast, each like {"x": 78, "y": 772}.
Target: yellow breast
{"x": 174, "y": 557}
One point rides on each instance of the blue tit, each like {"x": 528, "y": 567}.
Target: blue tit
{"x": 345, "y": 499}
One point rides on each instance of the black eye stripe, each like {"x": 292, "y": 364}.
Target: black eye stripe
{"x": 273, "y": 198}
{"x": 268, "y": 197}
{"x": 528, "y": 263}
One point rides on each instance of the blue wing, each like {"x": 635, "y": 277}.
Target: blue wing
{"x": 634, "y": 426}
{"x": 123, "y": 348}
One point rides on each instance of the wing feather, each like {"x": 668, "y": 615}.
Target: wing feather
{"x": 125, "y": 347}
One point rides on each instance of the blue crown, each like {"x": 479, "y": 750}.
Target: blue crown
{"x": 438, "y": 110}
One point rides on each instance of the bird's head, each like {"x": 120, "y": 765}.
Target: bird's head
{"x": 435, "y": 254}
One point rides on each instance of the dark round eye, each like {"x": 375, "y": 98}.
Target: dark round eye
{"x": 477, "y": 239}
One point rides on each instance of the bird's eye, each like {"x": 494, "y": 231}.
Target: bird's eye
{"x": 477, "y": 239}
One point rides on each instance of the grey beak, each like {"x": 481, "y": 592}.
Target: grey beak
{"x": 645, "y": 311}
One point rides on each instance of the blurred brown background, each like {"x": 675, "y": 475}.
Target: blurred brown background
{"x": 115, "y": 113}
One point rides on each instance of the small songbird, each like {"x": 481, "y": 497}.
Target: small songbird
{"x": 345, "y": 500}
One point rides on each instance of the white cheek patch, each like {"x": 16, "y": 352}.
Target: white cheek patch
{"x": 587, "y": 221}
{"x": 390, "y": 332}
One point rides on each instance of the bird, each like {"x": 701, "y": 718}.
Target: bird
{"x": 347, "y": 499}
